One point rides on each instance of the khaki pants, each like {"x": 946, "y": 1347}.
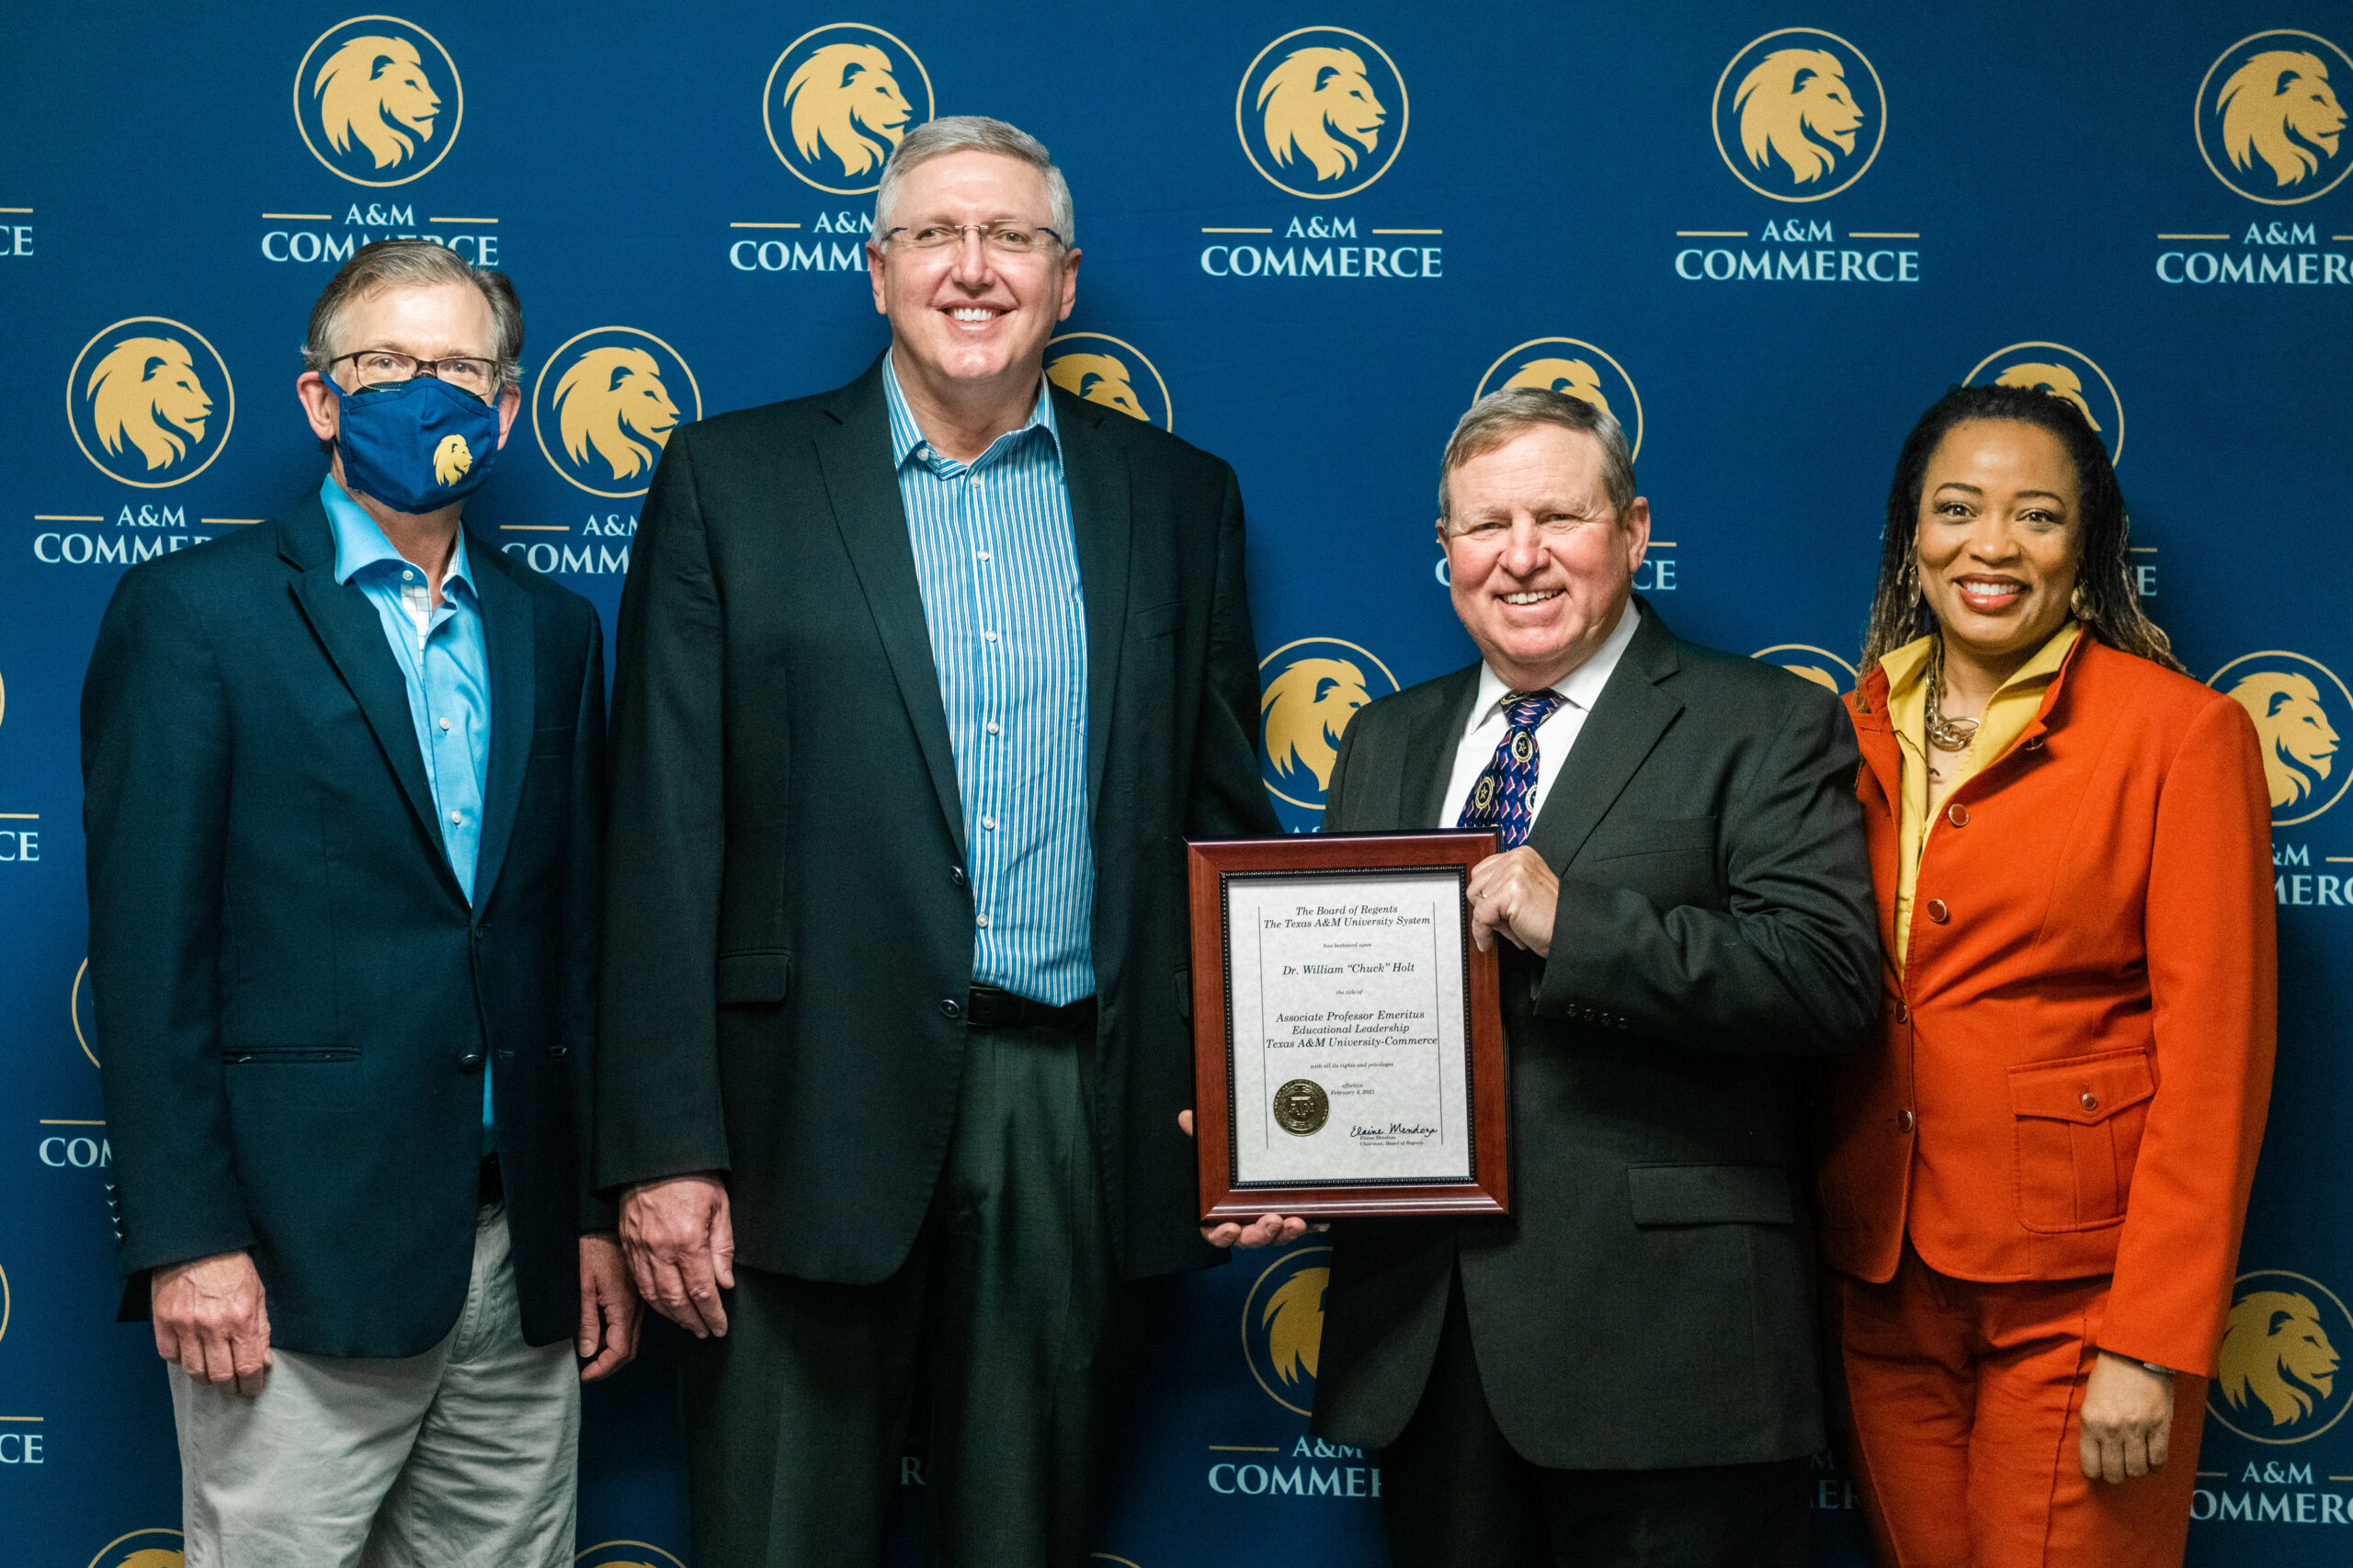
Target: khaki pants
{"x": 464, "y": 1455}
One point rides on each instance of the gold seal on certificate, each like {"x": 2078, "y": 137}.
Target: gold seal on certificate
{"x": 1347, "y": 1038}
{"x": 1301, "y": 1108}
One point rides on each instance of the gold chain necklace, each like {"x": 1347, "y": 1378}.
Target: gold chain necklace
{"x": 1944, "y": 735}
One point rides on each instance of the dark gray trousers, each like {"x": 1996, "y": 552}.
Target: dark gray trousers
{"x": 1009, "y": 1304}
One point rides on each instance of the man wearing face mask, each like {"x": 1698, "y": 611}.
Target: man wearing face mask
{"x": 344, "y": 796}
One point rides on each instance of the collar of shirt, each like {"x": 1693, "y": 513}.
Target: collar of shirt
{"x": 1581, "y": 686}
{"x": 359, "y": 544}
{"x": 907, "y": 439}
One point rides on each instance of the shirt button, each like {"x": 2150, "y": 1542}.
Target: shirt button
{"x": 984, "y": 922}
{"x": 1905, "y": 1120}
{"x": 1937, "y": 912}
{"x": 445, "y": 724}
{"x": 1957, "y": 814}
{"x": 455, "y": 817}
{"x": 988, "y": 636}
{"x": 408, "y": 576}
{"x": 993, "y": 728}
{"x": 983, "y": 554}
{"x": 988, "y": 824}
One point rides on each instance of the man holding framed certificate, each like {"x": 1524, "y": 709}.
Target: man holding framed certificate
{"x": 1621, "y": 1369}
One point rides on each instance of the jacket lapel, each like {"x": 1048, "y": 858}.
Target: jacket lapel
{"x": 353, "y": 634}
{"x": 1100, "y": 524}
{"x": 1627, "y": 720}
{"x": 1429, "y": 753}
{"x": 854, "y": 455}
{"x": 1875, "y": 736}
{"x": 506, "y": 624}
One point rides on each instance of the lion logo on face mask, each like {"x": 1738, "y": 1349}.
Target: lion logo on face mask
{"x": 451, "y": 458}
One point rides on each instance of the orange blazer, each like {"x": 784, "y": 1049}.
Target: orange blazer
{"x": 2072, "y": 1075}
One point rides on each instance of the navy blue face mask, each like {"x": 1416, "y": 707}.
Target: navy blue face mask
{"x": 417, "y": 446}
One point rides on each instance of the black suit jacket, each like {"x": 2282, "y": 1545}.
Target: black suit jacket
{"x": 293, "y": 996}
{"x": 789, "y": 932}
{"x": 1646, "y": 1305}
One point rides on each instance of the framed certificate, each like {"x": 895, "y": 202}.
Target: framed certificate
{"x": 1347, "y": 1037}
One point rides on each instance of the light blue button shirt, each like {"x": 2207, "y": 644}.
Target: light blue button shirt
{"x": 446, "y": 664}
{"x": 998, "y": 568}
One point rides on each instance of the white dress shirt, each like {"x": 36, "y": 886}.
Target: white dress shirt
{"x": 1581, "y": 687}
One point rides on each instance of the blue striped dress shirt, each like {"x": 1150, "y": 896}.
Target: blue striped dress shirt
{"x": 998, "y": 568}
{"x": 446, "y": 665}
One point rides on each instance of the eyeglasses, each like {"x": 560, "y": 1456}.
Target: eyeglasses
{"x": 1005, "y": 239}
{"x": 376, "y": 366}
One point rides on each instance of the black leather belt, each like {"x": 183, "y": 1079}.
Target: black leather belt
{"x": 992, "y": 1007}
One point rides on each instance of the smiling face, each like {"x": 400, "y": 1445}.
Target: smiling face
{"x": 964, "y": 317}
{"x": 2000, "y": 538}
{"x": 1541, "y": 566}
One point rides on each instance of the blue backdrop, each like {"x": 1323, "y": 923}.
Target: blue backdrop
{"x": 1766, "y": 235}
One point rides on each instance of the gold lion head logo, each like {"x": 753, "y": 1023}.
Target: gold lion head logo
{"x": 2274, "y": 1336}
{"x": 153, "y": 1557}
{"x": 839, "y": 93}
{"x": 1305, "y": 711}
{"x": 147, "y": 392}
{"x": 2056, "y": 379}
{"x": 451, "y": 458}
{"x": 1294, "y": 1319}
{"x": 2298, "y": 739}
{"x": 1314, "y": 93}
{"x": 2278, "y": 91}
{"x": 1790, "y": 93}
{"x": 1573, "y": 377}
{"x": 613, "y": 400}
{"x": 373, "y": 91}
{"x": 1097, "y": 378}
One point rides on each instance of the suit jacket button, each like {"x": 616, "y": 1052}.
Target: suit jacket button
{"x": 558, "y": 1049}
{"x": 470, "y": 1060}
{"x": 2032, "y": 743}
{"x": 1905, "y": 1120}
{"x": 2090, "y": 1101}
{"x": 1902, "y": 1012}
{"x": 1957, "y": 814}
{"x": 950, "y": 1009}
{"x": 1937, "y": 912}
{"x": 956, "y": 875}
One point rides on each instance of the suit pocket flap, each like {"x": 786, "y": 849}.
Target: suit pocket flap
{"x": 755, "y": 977}
{"x": 2081, "y": 1089}
{"x": 1710, "y": 1194}
{"x": 1156, "y": 621}
{"x": 1657, "y": 836}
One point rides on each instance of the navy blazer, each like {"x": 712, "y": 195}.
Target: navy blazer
{"x": 293, "y": 997}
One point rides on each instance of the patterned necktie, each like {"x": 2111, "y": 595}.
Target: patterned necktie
{"x": 1505, "y": 796}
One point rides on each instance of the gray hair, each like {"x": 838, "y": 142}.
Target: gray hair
{"x": 412, "y": 264}
{"x": 972, "y": 134}
{"x": 1501, "y": 417}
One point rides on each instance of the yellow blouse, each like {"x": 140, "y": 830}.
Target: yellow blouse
{"x": 2012, "y": 708}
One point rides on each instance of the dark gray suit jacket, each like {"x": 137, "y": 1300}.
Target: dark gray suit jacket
{"x": 788, "y": 926}
{"x": 1647, "y": 1304}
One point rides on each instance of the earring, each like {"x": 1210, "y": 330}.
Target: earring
{"x": 2079, "y": 603}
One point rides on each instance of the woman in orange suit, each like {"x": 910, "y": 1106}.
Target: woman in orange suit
{"x": 2033, "y": 1181}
